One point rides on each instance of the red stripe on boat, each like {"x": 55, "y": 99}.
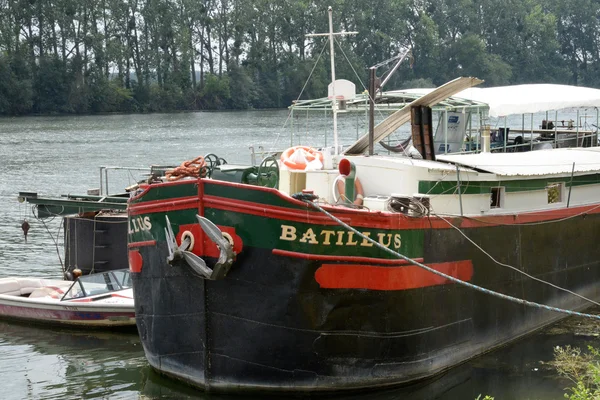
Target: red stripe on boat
{"x": 135, "y": 261}
{"x": 141, "y": 244}
{"x": 356, "y": 218}
{"x": 347, "y": 276}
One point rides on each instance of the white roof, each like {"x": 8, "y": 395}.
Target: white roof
{"x": 524, "y": 99}
{"x": 538, "y": 162}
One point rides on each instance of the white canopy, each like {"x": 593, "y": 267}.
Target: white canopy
{"x": 525, "y": 99}
{"x": 538, "y": 162}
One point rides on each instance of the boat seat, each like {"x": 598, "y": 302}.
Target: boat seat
{"x": 52, "y": 292}
{"x": 10, "y": 286}
{"x": 28, "y": 285}
{"x": 15, "y": 286}
{"x": 49, "y": 288}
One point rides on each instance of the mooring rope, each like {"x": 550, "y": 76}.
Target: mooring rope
{"x": 55, "y": 240}
{"x": 448, "y": 277}
{"x": 512, "y": 267}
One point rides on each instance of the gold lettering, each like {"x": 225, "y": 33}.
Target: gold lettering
{"x": 147, "y": 223}
{"x": 310, "y": 237}
{"x": 351, "y": 241}
{"x": 288, "y": 233}
{"x": 340, "y": 237}
{"x": 365, "y": 242}
{"x": 380, "y": 237}
{"x": 327, "y": 234}
{"x": 397, "y": 241}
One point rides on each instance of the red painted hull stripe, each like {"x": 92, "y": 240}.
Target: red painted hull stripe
{"x": 145, "y": 188}
{"x": 141, "y": 244}
{"x": 136, "y": 262}
{"x": 356, "y": 259}
{"x": 90, "y": 300}
{"x": 356, "y": 218}
{"x": 184, "y": 203}
{"x": 287, "y": 214}
{"x": 60, "y": 315}
{"x": 347, "y": 276}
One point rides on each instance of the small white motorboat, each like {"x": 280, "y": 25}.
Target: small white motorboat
{"x": 96, "y": 300}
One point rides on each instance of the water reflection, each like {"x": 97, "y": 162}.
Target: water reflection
{"x": 53, "y": 363}
{"x": 519, "y": 371}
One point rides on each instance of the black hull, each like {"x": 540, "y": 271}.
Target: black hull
{"x": 268, "y": 326}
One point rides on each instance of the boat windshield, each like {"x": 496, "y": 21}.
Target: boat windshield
{"x": 101, "y": 283}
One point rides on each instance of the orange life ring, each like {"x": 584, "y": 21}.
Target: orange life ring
{"x": 359, "y": 193}
{"x": 309, "y": 153}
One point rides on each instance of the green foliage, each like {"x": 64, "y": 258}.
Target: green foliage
{"x": 51, "y": 86}
{"x": 108, "y": 96}
{"x": 167, "y": 98}
{"x": 159, "y": 55}
{"x": 216, "y": 94}
{"x": 582, "y": 369}
{"x": 241, "y": 87}
{"x": 16, "y": 93}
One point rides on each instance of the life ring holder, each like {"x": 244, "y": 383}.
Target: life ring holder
{"x": 357, "y": 189}
{"x": 310, "y": 155}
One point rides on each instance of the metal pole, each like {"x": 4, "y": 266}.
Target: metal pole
{"x": 531, "y": 134}
{"x": 371, "y": 109}
{"x": 445, "y": 131}
{"x": 505, "y": 135}
{"x": 480, "y": 132}
{"x": 471, "y": 128}
{"x": 325, "y": 130}
{"x": 334, "y": 99}
{"x": 459, "y": 191}
{"x": 570, "y": 186}
{"x": 291, "y": 127}
{"x": 101, "y": 185}
{"x": 555, "y": 129}
{"x": 106, "y": 179}
{"x": 577, "y": 130}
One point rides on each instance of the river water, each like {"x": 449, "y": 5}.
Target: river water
{"x": 62, "y": 155}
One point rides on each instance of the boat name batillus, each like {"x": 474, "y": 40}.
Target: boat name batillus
{"x": 327, "y": 237}
{"x": 138, "y": 224}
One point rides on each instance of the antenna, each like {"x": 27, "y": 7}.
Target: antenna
{"x": 334, "y": 104}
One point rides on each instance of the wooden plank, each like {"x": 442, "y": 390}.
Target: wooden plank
{"x": 400, "y": 117}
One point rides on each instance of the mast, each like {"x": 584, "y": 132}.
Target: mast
{"x": 334, "y": 99}
{"x": 334, "y": 105}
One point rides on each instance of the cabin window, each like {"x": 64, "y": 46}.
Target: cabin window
{"x": 555, "y": 192}
{"x": 497, "y": 197}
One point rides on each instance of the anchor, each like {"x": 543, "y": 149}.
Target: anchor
{"x": 223, "y": 264}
